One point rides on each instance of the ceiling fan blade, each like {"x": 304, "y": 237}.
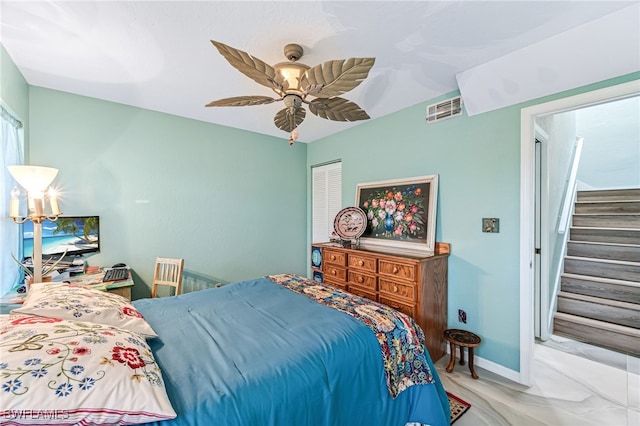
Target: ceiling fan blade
{"x": 287, "y": 120}
{"x": 242, "y": 101}
{"x": 333, "y": 78}
{"x": 257, "y": 70}
{"x": 337, "y": 109}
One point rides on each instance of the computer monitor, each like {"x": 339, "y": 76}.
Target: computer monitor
{"x": 76, "y": 235}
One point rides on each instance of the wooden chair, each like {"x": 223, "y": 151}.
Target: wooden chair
{"x": 168, "y": 272}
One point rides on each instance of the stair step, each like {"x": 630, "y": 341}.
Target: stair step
{"x": 607, "y": 220}
{"x": 584, "y": 207}
{"x": 626, "y": 291}
{"x": 599, "y": 299}
{"x": 611, "y": 336}
{"x": 603, "y": 268}
{"x": 602, "y": 301}
{"x": 605, "y": 235}
{"x": 610, "y": 194}
{"x": 628, "y": 252}
{"x": 612, "y": 311}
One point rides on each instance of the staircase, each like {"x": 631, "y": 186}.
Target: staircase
{"x": 599, "y": 298}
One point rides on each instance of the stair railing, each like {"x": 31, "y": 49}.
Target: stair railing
{"x": 570, "y": 189}
{"x": 564, "y": 221}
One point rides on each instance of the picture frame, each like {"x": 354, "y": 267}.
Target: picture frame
{"x": 401, "y": 215}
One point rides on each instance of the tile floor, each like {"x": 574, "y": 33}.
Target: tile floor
{"x": 575, "y": 384}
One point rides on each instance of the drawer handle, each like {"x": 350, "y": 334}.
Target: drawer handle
{"x": 395, "y": 288}
{"x": 333, "y": 271}
{"x": 395, "y": 269}
{"x": 333, "y": 257}
{"x": 360, "y": 280}
{"x": 361, "y": 263}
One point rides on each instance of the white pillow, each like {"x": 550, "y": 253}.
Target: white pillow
{"x": 54, "y": 371}
{"x": 77, "y": 303}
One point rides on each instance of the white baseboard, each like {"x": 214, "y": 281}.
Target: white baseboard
{"x": 498, "y": 369}
{"x": 491, "y": 366}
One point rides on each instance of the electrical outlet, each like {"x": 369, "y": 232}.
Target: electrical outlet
{"x": 462, "y": 316}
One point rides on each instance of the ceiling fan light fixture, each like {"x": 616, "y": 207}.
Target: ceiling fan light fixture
{"x": 293, "y": 82}
{"x": 291, "y": 73}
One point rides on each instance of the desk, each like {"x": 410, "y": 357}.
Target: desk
{"x": 94, "y": 281}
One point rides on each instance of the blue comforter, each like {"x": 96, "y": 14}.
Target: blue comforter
{"x": 256, "y": 353}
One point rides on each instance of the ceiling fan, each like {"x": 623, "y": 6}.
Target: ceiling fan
{"x": 294, "y": 82}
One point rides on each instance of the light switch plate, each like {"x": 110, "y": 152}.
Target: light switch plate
{"x": 490, "y": 224}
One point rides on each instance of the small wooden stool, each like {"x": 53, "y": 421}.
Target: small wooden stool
{"x": 463, "y": 339}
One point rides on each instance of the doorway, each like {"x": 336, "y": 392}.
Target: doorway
{"x": 528, "y": 258}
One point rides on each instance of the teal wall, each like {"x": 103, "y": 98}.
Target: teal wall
{"x": 611, "y": 152}
{"x": 231, "y": 202}
{"x": 478, "y": 162}
{"x": 14, "y": 90}
{"x": 14, "y": 98}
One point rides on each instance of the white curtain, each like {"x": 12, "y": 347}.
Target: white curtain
{"x": 11, "y": 153}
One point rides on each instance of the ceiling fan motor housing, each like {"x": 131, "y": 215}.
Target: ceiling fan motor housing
{"x": 293, "y": 51}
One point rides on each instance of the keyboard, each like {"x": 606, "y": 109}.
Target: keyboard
{"x": 116, "y": 274}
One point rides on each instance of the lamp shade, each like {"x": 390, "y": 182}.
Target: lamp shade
{"x": 292, "y": 73}
{"x": 33, "y": 178}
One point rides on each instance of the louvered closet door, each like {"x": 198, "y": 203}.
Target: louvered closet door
{"x": 326, "y": 199}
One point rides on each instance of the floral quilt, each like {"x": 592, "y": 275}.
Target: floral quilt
{"x": 54, "y": 371}
{"x": 401, "y": 341}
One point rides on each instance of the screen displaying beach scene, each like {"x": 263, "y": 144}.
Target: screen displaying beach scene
{"x": 75, "y": 235}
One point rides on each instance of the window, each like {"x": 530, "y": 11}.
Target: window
{"x": 326, "y": 181}
{"x": 11, "y": 148}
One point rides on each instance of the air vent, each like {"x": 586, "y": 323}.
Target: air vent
{"x": 445, "y": 109}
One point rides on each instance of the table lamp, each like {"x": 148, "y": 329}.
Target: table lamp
{"x": 36, "y": 181}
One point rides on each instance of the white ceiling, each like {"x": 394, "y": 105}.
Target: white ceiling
{"x": 157, "y": 55}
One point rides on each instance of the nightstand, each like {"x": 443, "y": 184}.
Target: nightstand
{"x": 11, "y": 301}
{"x": 5, "y": 308}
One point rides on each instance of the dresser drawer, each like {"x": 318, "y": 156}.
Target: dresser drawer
{"x": 362, "y": 280}
{"x": 396, "y": 269}
{"x": 333, "y": 273}
{"x": 398, "y": 290}
{"x": 334, "y": 257}
{"x": 405, "y": 308}
{"x": 362, "y": 262}
{"x": 338, "y": 284}
{"x": 363, "y": 292}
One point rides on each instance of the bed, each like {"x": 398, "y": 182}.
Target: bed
{"x": 284, "y": 350}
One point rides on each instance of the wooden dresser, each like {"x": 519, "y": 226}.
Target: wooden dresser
{"x": 416, "y": 286}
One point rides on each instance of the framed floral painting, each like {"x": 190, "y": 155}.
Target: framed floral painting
{"x": 401, "y": 214}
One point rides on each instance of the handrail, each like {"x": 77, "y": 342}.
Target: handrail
{"x": 570, "y": 190}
